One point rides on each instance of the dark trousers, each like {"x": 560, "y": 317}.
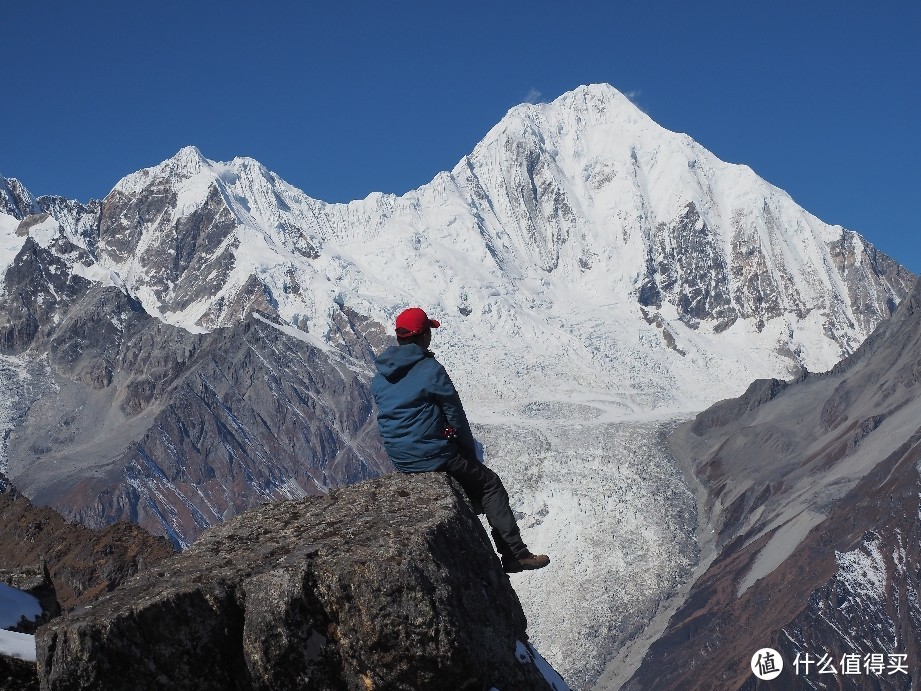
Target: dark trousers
{"x": 484, "y": 488}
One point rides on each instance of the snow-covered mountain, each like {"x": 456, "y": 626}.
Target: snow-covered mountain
{"x": 200, "y": 340}
{"x": 599, "y": 252}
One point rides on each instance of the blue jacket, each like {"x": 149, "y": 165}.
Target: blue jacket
{"x": 416, "y": 401}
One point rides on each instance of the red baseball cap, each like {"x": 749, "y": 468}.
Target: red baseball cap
{"x": 414, "y": 321}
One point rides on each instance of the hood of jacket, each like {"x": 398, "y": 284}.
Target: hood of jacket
{"x": 396, "y": 361}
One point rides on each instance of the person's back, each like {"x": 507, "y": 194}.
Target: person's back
{"x": 424, "y": 428}
{"x": 417, "y": 403}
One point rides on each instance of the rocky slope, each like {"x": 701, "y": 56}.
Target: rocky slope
{"x": 82, "y": 563}
{"x": 62, "y": 564}
{"x": 116, "y": 415}
{"x": 812, "y": 489}
{"x": 357, "y": 590}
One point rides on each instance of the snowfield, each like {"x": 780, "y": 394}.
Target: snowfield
{"x": 20, "y": 645}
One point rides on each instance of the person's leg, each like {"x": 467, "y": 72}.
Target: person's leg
{"x": 485, "y": 488}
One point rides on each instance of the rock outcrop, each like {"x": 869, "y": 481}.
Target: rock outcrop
{"x": 388, "y": 584}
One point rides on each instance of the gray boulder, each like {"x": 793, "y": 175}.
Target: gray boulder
{"x": 388, "y": 584}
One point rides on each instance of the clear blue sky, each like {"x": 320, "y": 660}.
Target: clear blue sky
{"x": 822, "y": 98}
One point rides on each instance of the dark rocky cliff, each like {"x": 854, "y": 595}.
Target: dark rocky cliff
{"x": 82, "y": 563}
{"x": 388, "y": 584}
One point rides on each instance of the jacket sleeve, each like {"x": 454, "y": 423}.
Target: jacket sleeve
{"x": 446, "y": 396}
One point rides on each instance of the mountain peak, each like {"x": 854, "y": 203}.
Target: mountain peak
{"x": 595, "y": 93}
{"x": 245, "y": 163}
{"x": 15, "y": 199}
{"x": 594, "y": 103}
{"x": 573, "y": 115}
{"x": 583, "y": 192}
{"x": 187, "y": 160}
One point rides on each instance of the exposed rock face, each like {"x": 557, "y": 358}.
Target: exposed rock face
{"x": 15, "y": 199}
{"x": 389, "y": 584}
{"x": 688, "y": 266}
{"x": 685, "y": 263}
{"x": 82, "y": 563}
{"x": 195, "y": 249}
{"x": 127, "y": 418}
{"x": 813, "y": 491}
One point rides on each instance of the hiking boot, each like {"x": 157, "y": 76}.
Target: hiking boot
{"x": 528, "y": 562}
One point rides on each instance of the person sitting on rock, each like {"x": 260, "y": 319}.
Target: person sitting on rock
{"x": 424, "y": 428}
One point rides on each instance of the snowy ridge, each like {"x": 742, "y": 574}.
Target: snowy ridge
{"x": 599, "y": 252}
